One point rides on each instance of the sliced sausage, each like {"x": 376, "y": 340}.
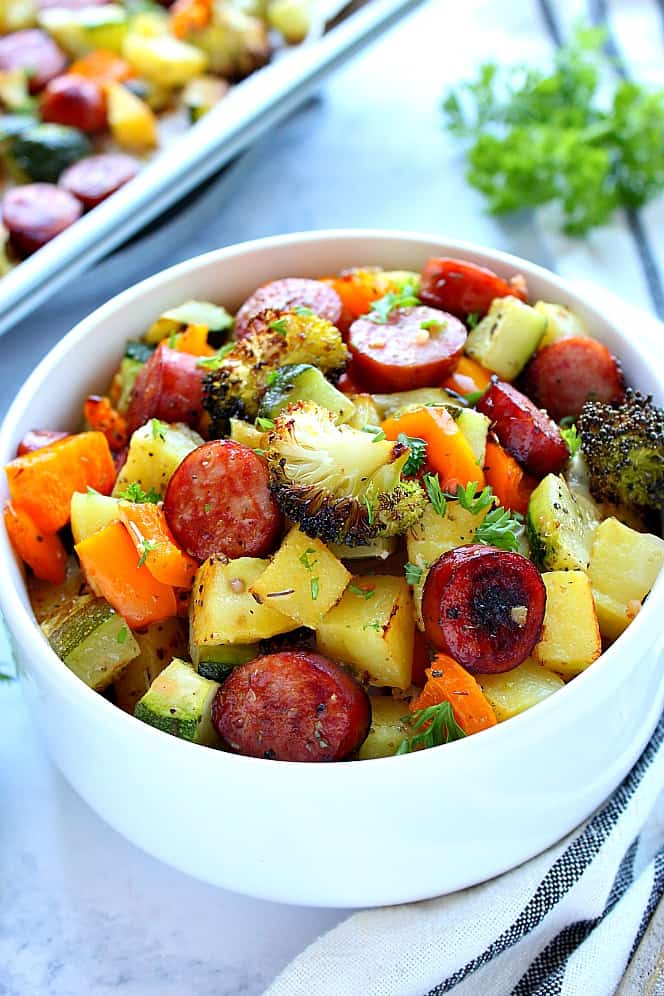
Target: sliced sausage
{"x": 219, "y": 501}
{"x": 566, "y": 374}
{"x": 283, "y": 295}
{"x": 74, "y": 101}
{"x": 415, "y": 347}
{"x": 464, "y": 288}
{"x": 292, "y": 706}
{"x": 36, "y": 439}
{"x": 93, "y": 179}
{"x": 168, "y": 387}
{"x": 35, "y": 213}
{"x": 484, "y": 607}
{"x": 36, "y": 51}
{"x": 524, "y": 430}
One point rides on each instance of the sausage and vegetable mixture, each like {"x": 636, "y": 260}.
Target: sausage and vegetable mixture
{"x": 373, "y": 513}
{"x": 89, "y": 89}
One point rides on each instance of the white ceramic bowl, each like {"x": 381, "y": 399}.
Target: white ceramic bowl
{"x": 372, "y": 833}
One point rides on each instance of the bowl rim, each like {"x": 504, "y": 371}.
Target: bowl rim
{"x": 53, "y": 668}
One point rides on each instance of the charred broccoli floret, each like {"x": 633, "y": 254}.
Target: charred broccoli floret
{"x": 623, "y": 445}
{"x": 340, "y": 484}
{"x": 276, "y": 338}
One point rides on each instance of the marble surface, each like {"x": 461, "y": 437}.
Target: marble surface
{"x": 82, "y": 911}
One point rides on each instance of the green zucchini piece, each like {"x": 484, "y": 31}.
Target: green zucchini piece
{"x": 159, "y": 643}
{"x": 92, "y": 640}
{"x": 179, "y": 702}
{"x": 506, "y": 337}
{"x": 364, "y": 412}
{"x": 558, "y": 530}
{"x": 389, "y": 404}
{"x": 136, "y": 349}
{"x": 213, "y": 316}
{"x": 42, "y": 153}
{"x": 217, "y": 663}
{"x": 12, "y": 125}
{"x": 475, "y": 427}
{"x": 560, "y": 323}
{"x": 201, "y": 94}
{"x": 303, "y": 382}
{"x": 129, "y": 371}
{"x": 90, "y": 511}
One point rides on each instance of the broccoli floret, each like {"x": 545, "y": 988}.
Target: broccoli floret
{"x": 623, "y": 445}
{"x": 339, "y": 484}
{"x": 277, "y": 338}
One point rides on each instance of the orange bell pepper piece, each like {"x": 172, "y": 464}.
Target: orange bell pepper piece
{"x": 103, "y": 67}
{"x": 510, "y": 482}
{"x": 448, "y": 451}
{"x": 190, "y": 15}
{"x": 101, "y": 416}
{"x": 41, "y": 483}
{"x": 468, "y": 377}
{"x": 110, "y": 563}
{"x": 146, "y": 524}
{"x": 447, "y": 681}
{"x": 44, "y": 553}
{"x": 193, "y": 340}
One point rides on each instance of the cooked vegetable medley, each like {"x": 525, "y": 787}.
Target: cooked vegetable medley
{"x": 372, "y": 514}
{"x": 90, "y": 88}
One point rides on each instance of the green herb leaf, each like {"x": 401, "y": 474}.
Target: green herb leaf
{"x": 501, "y": 528}
{"x": 158, "y": 429}
{"x": 432, "y": 727}
{"x": 472, "y": 319}
{"x": 265, "y": 424}
{"x": 371, "y": 511}
{"x": 472, "y": 398}
{"x": 92, "y": 491}
{"x": 272, "y": 378}
{"x": 470, "y": 501}
{"x": 562, "y": 134}
{"x": 435, "y": 493}
{"x": 135, "y": 493}
{"x": 122, "y": 634}
{"x": 413, "y": 573}
{"x": 375, "y": 625}
{"x": 280, "y": 326}
{"x": 375, "y": 431}
{"x": 384, "y": 306}
{"x": 315, "y": 588}
{"x": 216, "y": 361}
{"x": 360, "y": 592}
{"x": 306, "y": 562}
{"x": 144, "y": 548}
{"x": 433, "y": 325}
{"x": 172, "y": 339}
{"x": 572, "y": 438}
{"x": 7, "y": 677}
{"x": 207, "y": 507}
{"x": 418, "y": 453}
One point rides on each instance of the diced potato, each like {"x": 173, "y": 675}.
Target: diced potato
{"x": 570, "y": 635}
{"x": 292, "y": 18}
{"x": 90, "y": 512}
{"x": 132, "y": 123}
{"x": 624, "y": 565}
{"x": 515, "y": 691}
{"x": 17, "y": 14}
{"x": 248, "y": 435}
{"x": 304, "y": 580}
{"x": 159, "y": 644}
{"x": 49, "y": 599}
{"x": 380, "y": 548}
{"x": 222, "y": 609}
{"x": 153, "y": 457}
{"x": 87, "y": 29}
{"x": 561, "y": 323}
{"x": 163, "y": 58}
{"x": 387, "y": 728}
{"x": 373, "y": 635}
{"x": 433, "y": 535}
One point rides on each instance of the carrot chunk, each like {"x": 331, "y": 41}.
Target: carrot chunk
{"x": 447, "y": 681}
{"x": 42, "y": 552}
{"x": 510, "y": 482}
{"x": 101, "y": 416}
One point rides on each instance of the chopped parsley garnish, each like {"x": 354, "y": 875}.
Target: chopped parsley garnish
{"x": 472, "y": 502}
{"x": 280, "y": 326}
{"x": 214, "y": 362}
{"x": 122, "y": 634}
{"x": 435, "y": 493}
{"x": 360, "y": 592}
{"x": 375, "y": 431}
{"x": 375, "y": 625}
{"x": 432, "y": 727}
{"x": 158, "y": 429}
{"x": 6, "y": 677}
{"x": 264, "y": 423}
{"x": 384, "y": 306}
{"x": 572, "y": 438}
{"x": 501, "y": 528}
{"x": 135, "y": 493}
{"x": 306, "y": 562}
{"x": 371, "y": 512}
{"x": 207, "y": 507}
{"x": 417, "y": 455}
{"x": 145, "y": 547}
{"x": 314, "y": 585}
{"x": 433, "y": 325}
{"x": 413, "y": 573}
{"x": 272, "y": 378}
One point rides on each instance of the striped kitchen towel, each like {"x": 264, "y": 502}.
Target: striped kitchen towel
{"x": 564, "y": 924}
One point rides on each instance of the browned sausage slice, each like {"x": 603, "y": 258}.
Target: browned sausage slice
{"x": 484, "y": 607}
{"x": 75, "y": 101}
{"x": 416, "y": 347}
{"x": 93, "y": 179}
{"x": 524, "y": 429}
{"x": 219, "y": 501}
{"x": 292, "y": 706}
{"x": 286, "y": 294}
{"x": 35, "y": 213}
{"x": 566, "y": 374}
{"x": 32, "y": 49}
{"x": 168, "y": 387}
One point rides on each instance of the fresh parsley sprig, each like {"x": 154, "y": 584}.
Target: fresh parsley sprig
{"x": 431, "y": 727}
{"x": 417, "y": 455}
{"x": 572, "y": 438}
{"x": 216, "y": 361}
{"x": 471, "y": 501}
{"x": 413, "y": 573}
{"x": 435, "y": 493}
{"x": 381, "y": 309}
{"x": 135, "y": 493}
{"x": 501, "y": 528}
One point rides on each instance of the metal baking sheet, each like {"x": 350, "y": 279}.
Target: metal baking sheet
{"x": 251, "y": 108}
